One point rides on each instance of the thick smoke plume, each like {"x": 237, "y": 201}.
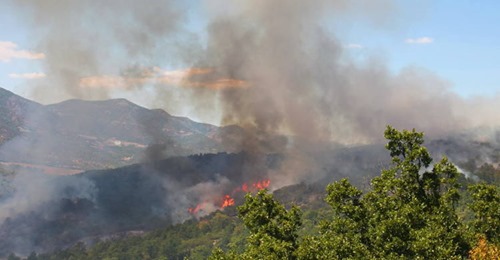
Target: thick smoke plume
{"x": 273, "y": 67}
{"x": 303, "y": 83}
{"x": 86, "y": 38}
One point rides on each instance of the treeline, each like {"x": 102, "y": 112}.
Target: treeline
{"x": 414, "y": 210}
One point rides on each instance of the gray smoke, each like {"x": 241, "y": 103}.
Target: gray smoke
{"x": 204, "y": 195}
{"x": 274, "y": 67}
{"x": 271, "y": 67}
{"x": 87, "y": 38}
{"x": 302, "y": 82}
{"x": 33, "y": 190}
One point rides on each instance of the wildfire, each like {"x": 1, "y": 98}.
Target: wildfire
{"x": 256, "y": 186}
{"x": 260, "y": 185}
{"x": 196, "y": 209}
{"x": 228, "y": 200}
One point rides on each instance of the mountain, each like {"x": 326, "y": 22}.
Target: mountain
{"x": 51, "y": 212}
{"x": 82, "y": 135}
{"x": 47, "y": 212}
{"x": 13, "y": 114}
{"x": 153, "y": 182}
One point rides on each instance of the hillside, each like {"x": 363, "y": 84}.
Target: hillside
{"x": 14, "y": 111}
{"x": 165, "y": 169}
{"x": 83, "y": 135}
{"x": 140, "y": 197}
{"x": 104, "y": 204}
{"x": 65, "y": 209}
{"x": 446, "y": 221}
{"x": 77, "y": 135}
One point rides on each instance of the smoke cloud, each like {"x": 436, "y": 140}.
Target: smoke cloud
{"x": 88, "y": 38}
{"x": 274, "y": 68}
{"x": 304, "y": 85}
{"x": 302, "y": 82}
{"x": 38, "y": 189}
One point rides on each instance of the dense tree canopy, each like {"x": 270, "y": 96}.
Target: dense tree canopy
{"x": 274, "y": 230}
{"x": 486, "y": 208}
{"x": 409, "y": 213}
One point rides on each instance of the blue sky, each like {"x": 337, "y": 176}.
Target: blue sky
{"x": 465, "y": 46}
{"x": 457, "y": 40}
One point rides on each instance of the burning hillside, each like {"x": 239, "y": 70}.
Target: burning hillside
{"x": 276, "y": 80}
{"x": 228, "y": 200}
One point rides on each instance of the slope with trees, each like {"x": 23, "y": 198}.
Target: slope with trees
{"x": 410, "y": 212}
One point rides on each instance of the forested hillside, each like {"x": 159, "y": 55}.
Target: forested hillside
{"x": 69, "y": 135}
{"x": 415, "y": 209}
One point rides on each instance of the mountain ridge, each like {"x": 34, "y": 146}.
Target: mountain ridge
{"x": 83, "y": 134}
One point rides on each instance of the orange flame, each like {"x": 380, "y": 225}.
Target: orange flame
{"x": 244, "y": 187}
{"x": 228, "y": 200}
{"x": 196, "y": 209}
{"x": 260, "y": 185}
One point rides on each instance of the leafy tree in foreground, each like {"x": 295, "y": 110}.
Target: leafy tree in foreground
{"x": 486, "y": 207}
{"x": 273, "y": 229}
{"x": 409, "y": 212}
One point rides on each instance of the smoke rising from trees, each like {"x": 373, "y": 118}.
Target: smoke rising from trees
{"x": 299, "y": 80}
{"x": 271, "y": 67}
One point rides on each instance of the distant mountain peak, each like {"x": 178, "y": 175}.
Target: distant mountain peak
{"x": 5, "y": 92}
{"x": 92, "y": 134}
{"x": 106, "y": 102}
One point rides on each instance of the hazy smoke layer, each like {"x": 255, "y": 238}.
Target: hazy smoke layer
{"x": 302, "y": 82}
{"x": 36, "y": 189}
{"x": 270, "y": 66}
{"x": 274, "y": 67}
{"x": 89, "y": 37}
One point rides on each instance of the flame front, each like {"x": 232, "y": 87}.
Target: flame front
{"x": 196, "y": 209}
{"x": 256, "y": 186}
{"x": 260, "y": 185}
{"x": 228, "y": 200}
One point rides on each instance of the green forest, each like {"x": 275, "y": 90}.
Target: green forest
{"x": 414, "y": 209}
